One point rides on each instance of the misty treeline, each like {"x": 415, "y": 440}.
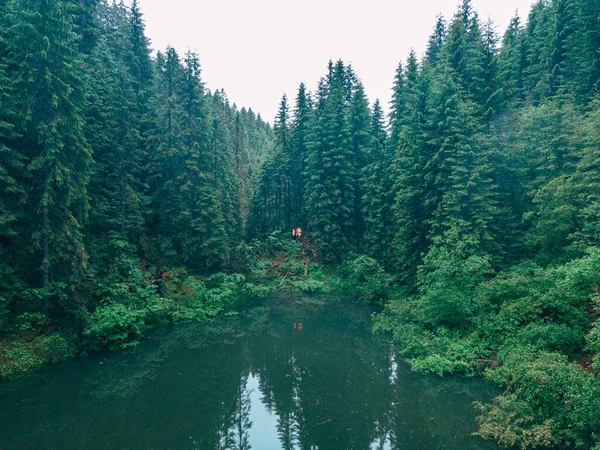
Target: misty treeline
{"x": 479, "y": 195}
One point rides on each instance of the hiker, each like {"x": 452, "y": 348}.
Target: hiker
{"x": 296, "y": 233}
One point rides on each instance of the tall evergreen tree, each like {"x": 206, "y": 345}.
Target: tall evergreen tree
{"x": 42, "y": 48}
{"x": 330, "y": 172}
{"x": 512, "y": 63}
{"x": 282, "y": 131}
{"x": 205, "y": 243}
{"x": 300, "y": 135}
{"x": 12, "y": 198}
{"x": 360, "y": 128}
{"x": 379, "y": 191}
{"x": 410, "y": 208}
{"x": 459, "y": 177}
{"x": 436, "y": 41}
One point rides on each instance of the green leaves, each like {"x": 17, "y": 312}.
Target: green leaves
{"x": 549, "y": 401}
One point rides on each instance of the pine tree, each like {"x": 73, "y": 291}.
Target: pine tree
{"x": 379, "y": 191}
{"x": 397, "y": 103}
{"x": 512, "y": 63}
{"x": 168, "y": 161}
{"x": 538, "y": 49}
{"x": 330, "y": 172}
{"x": 105, "y": 80}
{"x": 42, "y": 48}
{"x": 272, "y": 204}
{"x": 436, "y": 40}
{"x": 578, "y": 34}
{"x": 459, "y": 174}
{"x": 283, "y": 169}
{"x": 300, "y": 136}
{"x": 411, "y": 149}
{"x": 12, "y": 199}
{"x": 470, "y": 57}
{"x": 138, "y": 55}
{"x": 118, "y": 130}
{"x": 87, "y": 24}
{"x": 223, "y": 169}
{"x": 205, "y": 244}
{"x": 137, "y": 122}
{"x": 360, "y": 128}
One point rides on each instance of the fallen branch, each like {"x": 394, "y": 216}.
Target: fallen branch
{"x": 283, "y": 279}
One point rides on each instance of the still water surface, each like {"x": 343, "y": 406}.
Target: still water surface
{"x": 294, "y": 373}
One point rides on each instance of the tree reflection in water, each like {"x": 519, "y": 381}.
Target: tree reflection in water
{"x": 257, "y": 380}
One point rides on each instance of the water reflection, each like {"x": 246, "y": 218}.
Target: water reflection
{"x": 299, "y": 373}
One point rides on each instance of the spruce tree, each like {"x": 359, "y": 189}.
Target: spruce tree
{"x": 379, "y": 191}
{"x": 168, "y": 159}
{"x": 511, "y": 64}
{"x": 283, "y": 169}
{"x": 410, "y": 205}
{"x": 436, "y": 41}
{"x": 330, "y": 170}
{"x": 459, "y": 176}
{"x": 360, "y": 128}
{"x": 42, "y": 48}
{"x": 300, "y": 136}
{"x": 205, "y": 243}
{"x": 12, "y": 200}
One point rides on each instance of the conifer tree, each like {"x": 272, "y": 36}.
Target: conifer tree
{"x": 379, "y": 191}
{"x": 459, "y": 175}
{"x": 330, "y": 172}
{"x": 511, "y": 64}
{"x": 360, "y": 128}
{"x": 410, "y": 207}
{"x": 87, "y": 24}
{"x": 300, "y": 137}
{"x": 436, "y": 40}
{"x": 538, "y": 49}
{"x": 168, "y": 159}
{"x": 205, "y": 243}
{"x": 397, "y": 104}
{"x": 12, "y": 198}
{"x": 137, "y": 122}
{"x": 47, "y": 77}
{"x": 103, "y": 130}
{"x": 283, "y": 169}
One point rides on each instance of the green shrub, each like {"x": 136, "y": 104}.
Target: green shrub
{"x": 113, "y": 327}
{"x": 18, "y": 355}
{"x": 548, "y": 402}
{"x": 448, "y": 278}
{"x": 309, "y": 285}
{"x": 367, "y": 278}
{"x": 593, "y": 344}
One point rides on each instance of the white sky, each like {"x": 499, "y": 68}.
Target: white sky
{"x": 257, "y": 50}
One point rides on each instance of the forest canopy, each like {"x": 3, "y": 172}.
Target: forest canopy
{"x": 475, "y": 201}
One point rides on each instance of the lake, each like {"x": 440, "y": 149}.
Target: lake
{"x": 293, "y": 372}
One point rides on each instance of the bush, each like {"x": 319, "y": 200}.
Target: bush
{"x": 367, "y": 278}
{"x": 18, "y": 355}
{"x": 593, "y": 340}
{"x": 448, "y": 278}
{"x": 548, "y": 402}
{"x": 309, "y": 285}
{"x": 113, "y": 327}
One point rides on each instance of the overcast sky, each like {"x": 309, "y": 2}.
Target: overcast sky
{"x": 257, "y": 50}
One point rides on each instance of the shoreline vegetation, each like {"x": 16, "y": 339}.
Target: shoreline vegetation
{"x": 132, "y": 197}
{"x": 150, "y": 299}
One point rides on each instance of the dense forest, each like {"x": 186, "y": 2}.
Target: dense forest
{"x": 470, "y": 211}
{"x": 114, "y": 164}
